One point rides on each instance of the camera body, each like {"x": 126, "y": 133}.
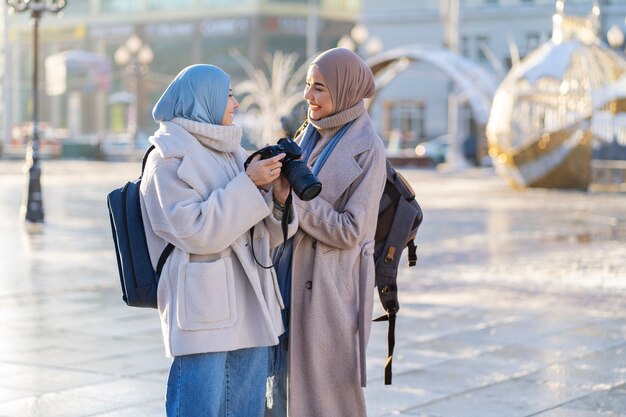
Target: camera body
{"x": 286, "y": 145}
{"x": 304, "y": 183}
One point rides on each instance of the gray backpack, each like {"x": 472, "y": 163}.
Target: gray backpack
{"x": 399, "y": 217}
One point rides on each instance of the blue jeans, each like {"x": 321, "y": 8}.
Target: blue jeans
{"x": 221, "y": 384}
{"x": 279, "y": 396}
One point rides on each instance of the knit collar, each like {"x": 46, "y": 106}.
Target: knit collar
{"x": 217, "y": 137}
{"x": 339, "y": 119}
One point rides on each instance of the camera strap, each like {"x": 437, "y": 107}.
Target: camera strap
{"x": 284, "y": 225}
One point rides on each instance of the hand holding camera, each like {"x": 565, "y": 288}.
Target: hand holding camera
{"x": 264, "y": 172}
{"x": 304, "y": 183}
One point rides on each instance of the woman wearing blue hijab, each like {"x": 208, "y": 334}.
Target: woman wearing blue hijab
{"x": 219, "y": 310}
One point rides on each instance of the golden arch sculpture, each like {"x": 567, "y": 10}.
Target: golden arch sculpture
{"x": 551, "y": 106}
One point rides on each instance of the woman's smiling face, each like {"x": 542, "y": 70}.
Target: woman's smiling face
{"x": 231, "y": 105}
{"x": 317, "y": 95}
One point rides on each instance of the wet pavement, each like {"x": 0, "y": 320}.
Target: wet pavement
{"x": 517, "y": 306}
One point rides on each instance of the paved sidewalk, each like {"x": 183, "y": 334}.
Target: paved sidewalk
{"x": 517, "y": 306}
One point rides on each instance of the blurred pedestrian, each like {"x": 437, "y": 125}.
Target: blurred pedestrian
{"x": 219, "y": 309}
{"x": 327, "y": 271}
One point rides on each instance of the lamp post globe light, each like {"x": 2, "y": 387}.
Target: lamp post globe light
{"x": 360, "y": 41}
{"x": 615, "y": 37}
{"x": 135, "y": 56}
{"x": 359, "y": 33}
{"x": 32, "y": 209}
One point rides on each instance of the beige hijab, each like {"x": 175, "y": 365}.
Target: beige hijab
{"x": 348, "y": 78}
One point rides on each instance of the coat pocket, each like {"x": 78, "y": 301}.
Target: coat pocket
{"x": 338, "y": 276}
{"x": 206, "y": 295}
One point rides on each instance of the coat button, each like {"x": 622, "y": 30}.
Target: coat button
{"x": 314, "y": 244}
{"x": 309, "y": 285}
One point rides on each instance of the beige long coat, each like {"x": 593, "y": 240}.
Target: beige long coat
{"x": 333, "y": 279}
{"x": 212, "y": 295}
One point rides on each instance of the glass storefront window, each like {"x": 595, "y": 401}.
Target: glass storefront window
{"x": 76, "y": 7}
{"x": 288, "y": 44}
{"x": 216, "y": 51}
{"x": 225, "y": 2}
{"x": 404, "y": 123}
{"x": 338, "y": 5}
{"x": 117, "y": 6}
{"x": 290, "y": 1}
{"x": 170, "y": 4}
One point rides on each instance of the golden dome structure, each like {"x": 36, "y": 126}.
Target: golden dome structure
{"x": 553, "y": 104}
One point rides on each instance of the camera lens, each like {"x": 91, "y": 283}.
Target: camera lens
{"x": 305, "y": 184}
{"x": 310, "y": 192}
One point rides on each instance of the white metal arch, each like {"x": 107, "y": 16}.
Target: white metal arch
{"x": 473, "y": 82}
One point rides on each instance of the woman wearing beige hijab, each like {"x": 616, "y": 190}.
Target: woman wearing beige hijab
{"x": 327, "y": 275}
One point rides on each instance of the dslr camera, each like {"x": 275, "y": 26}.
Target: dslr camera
{"x": 304, "y": 183}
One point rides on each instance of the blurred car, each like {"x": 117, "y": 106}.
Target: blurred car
{"x": 434, "y": 149}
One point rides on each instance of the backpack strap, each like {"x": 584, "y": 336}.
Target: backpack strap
{"x": 145, "y": 159}
{"x": 166, "y": 252}
{"x": 387, "y": 264}
{"x": 391, "y": 342}
{"x": 386, "y": 276}
{"x": 412, "y": 252}
{"x": 169, "y": 248}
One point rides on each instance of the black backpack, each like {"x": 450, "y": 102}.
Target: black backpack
{"x": 138, "y": 278}
{"x": 399, "y": 217}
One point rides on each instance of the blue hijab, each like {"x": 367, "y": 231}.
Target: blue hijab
{"x": 199, "y": 93}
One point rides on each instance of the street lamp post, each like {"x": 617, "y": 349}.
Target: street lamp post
{"x": 454, "y": 155}
{"x": 360, "y": 41}
{"x": 135, "y": 56}
{"x": 311, "y": 28}
{"x": 33, "y": 207}
{"x": 615, "y": 38}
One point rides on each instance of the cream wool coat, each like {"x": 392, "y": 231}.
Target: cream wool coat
{"x": 212, "y": 295}
{"x": 333, "y": 279}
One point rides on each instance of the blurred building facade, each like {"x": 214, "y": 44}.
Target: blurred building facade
{"x": 414, "y": 107}
{"x": 178, "y": 32}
